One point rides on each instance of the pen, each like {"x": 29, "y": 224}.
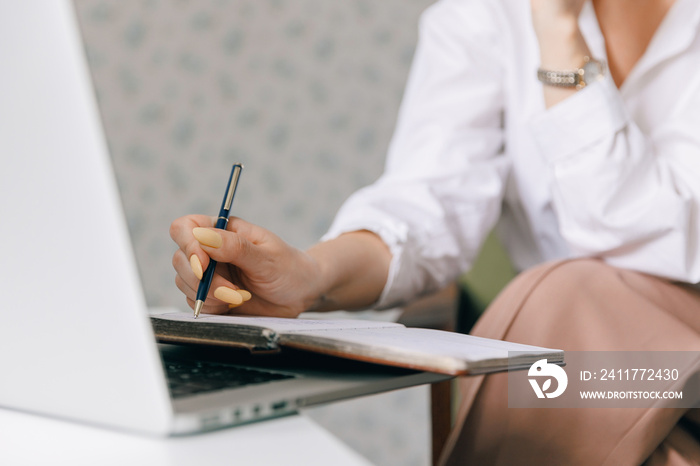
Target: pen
{"x": 221, "y": 223}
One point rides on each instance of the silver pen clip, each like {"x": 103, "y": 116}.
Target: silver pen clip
{"x": 232, "y": 187}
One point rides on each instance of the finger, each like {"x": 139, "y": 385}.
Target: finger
{"x": 180, "y": 229}
{"x": 245, "y": 294}
{"x": 184, "y": 269}
{"x": 188, "y": 283}
{"x": 221, "y": 297}
{"x": 181, "y": 233}
{"x": 228, "y": 247}
{"x": 250, "y": 231}
{"x": 221, "y": 290}
{"x": 189, "y": 267}
{"x": 185, "y": 288}
{"x": 212, "y": 305}
{"x": 217, "y": 306}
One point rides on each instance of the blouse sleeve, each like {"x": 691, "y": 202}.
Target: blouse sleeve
{"x": 441, "y": 190}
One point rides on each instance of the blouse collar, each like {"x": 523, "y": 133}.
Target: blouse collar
{"x": 677, "y": 31}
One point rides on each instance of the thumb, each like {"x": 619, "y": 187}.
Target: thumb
{"x": 227, "y": 246}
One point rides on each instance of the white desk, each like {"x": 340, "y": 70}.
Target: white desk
{"x": 27, "y": 439}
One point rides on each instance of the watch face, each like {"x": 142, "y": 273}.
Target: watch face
{"x": 593, "y": 70}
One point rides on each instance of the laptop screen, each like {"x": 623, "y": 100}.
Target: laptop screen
{"x": 75, "y": 340}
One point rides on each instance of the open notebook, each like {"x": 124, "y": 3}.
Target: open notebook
{"x": 386, "y": 343}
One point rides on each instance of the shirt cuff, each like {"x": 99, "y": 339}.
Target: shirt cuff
{"x": 591, "y": 114}
{"x": 395, "y": 235}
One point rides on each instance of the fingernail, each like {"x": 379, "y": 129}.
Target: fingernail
{"x": 196, "y": 266}
{"x": 208, "y": 237}
{"x": 228, "y": 295}
{"x": 233, "y": 306}
{"x": 244, "y": 294}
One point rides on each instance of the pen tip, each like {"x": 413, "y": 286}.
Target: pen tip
{"x": 198, "y": 307}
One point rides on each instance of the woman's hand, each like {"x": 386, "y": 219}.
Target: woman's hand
{"x": 347, "y": 272}
{"x": 282, "y": 280}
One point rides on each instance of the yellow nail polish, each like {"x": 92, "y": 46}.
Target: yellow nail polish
{"x": 244, "y": 294}
{"x": 208, "y": 237}
{"x": 196, "y": 266}
{"x": 233, "y": 306}
{"x": 228, "y": 295}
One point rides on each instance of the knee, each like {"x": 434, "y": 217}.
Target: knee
{"x": 555, "y": 299}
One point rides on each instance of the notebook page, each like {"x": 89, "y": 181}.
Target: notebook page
{"x": 426, "y": 342}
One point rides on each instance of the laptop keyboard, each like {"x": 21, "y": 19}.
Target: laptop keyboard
{"x": 192, "y": 377}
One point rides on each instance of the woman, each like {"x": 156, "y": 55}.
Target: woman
{"x": 571, "y": 125}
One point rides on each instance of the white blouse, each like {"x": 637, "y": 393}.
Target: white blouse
{"x": 610, "y": 173}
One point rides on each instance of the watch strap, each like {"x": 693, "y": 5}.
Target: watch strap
{"x": 559, "y": 78}
{"x": 574, "y": 78}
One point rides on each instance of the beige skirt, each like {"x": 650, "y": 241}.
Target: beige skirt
{"x": 580, "y": 305}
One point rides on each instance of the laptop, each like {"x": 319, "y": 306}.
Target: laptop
{"x": 75, "y": 337}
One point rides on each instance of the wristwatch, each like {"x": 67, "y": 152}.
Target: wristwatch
{"x": 590, "y": 71}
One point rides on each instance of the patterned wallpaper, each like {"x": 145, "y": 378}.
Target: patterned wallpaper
{"x": 304, "y": 92}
